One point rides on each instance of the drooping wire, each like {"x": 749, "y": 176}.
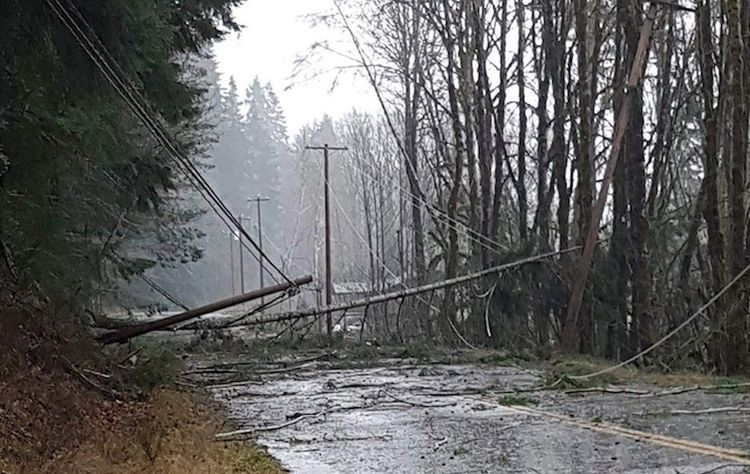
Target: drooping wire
{"x": 263, "y": 306}
{"x": 668, "y": 336}
{"x": 162, "y": 292}
{"x": 146, "y": 114}
{"x": 482, "y": 240}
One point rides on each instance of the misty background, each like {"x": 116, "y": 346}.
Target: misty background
{"x": 270, "y": 91}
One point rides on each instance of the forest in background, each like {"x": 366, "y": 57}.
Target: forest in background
{"x": 496, "y": 125}
{"x": 504, "y": 113}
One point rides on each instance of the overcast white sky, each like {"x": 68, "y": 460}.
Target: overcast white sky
{"x": 274, "y": 34}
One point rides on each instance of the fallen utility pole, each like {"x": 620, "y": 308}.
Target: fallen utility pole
{"x": 122, "y": 335}
{"x": 569, "y": 339}
{"x": 408, "y": 292}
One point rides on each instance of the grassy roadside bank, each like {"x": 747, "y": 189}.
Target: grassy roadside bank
{"x": 168, "y": 431}
{"x": 67, "y": 407}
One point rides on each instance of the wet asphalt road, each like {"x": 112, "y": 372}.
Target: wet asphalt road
{"x": 426, "y": 419}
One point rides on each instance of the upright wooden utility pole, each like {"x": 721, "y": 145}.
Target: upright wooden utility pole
{"x": 231, "y": 259}
{"x": 329, "y": 284}
{"x": 242, "y": 259}
{"x": 257, "y": 201}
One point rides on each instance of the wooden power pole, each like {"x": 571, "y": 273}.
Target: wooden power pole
{"x": 257, "y": 201}
{"x": 329, "y": 284}
{"x": 129, "y": 332}
{"x": 242, "y": 260}
{"x": 231, "y": 260}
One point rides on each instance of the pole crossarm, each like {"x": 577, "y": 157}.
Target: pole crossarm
{"x": 409, "y": 292}
{"x": 332, "y": 148}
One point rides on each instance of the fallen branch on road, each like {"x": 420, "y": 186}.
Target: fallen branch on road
{"x": 681, "y": 390}
{"x": 415, "y": 404}
{"x": 229, "y": 365}
{"x": 284, "y": 370}
{"x": 722, "y": 467}
{"x": 210, "y": 372}
{"x": 440, "y": 443}
{"x": 241, "y": 434}
{"x": 707, "y": 411}
{"x": 265, "y": 429}
{"x": 616, "y": 390}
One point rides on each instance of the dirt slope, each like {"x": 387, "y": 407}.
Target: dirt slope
{"x": 53, "y": 419}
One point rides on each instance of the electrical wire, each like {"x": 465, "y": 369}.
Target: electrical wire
{"x": 458, "y": 226}
{"x": 385, "y": 266}
{"x": 162, "y": 291}
{"x": 138, "y": 103}
{"x": 274, "y": 301}
{"x": 669, "y": 335}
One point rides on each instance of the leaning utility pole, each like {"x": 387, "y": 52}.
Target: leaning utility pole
{"x": 259, "y": 200}
{"x": 570, "y": 339}
{"x": 329, "y": 284}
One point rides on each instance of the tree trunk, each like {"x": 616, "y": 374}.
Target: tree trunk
{"x": 521, "y": 182}
{"x": 634, "y": 156}
{"x": 484, "y": 130}
{"x": 499, "y": 112}
{"x": 711, "y": 166}
{"x": 585, "y": 124}
{"x": 736, "y": 352}
{"x": 543, "y": 73}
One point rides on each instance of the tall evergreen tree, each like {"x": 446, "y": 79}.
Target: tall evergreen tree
{"x": 231, "y": 171}
{"x": 87, "y": 190}
{"x": 266, "y": 134}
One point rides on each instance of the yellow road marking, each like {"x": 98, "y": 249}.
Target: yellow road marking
{"x": 734, "y": 455}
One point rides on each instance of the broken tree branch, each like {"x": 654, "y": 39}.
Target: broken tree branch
{"x": 707, "y": 411}
{"x": 617, "y": 390}
{"x": 415, "y": 404}
{"x": 264, "y": 429}
{"x": 695, "y": 388}
{"x": 231, "y": 435}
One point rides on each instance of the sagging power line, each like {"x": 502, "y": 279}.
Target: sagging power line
{"x": 89, "y": 41}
